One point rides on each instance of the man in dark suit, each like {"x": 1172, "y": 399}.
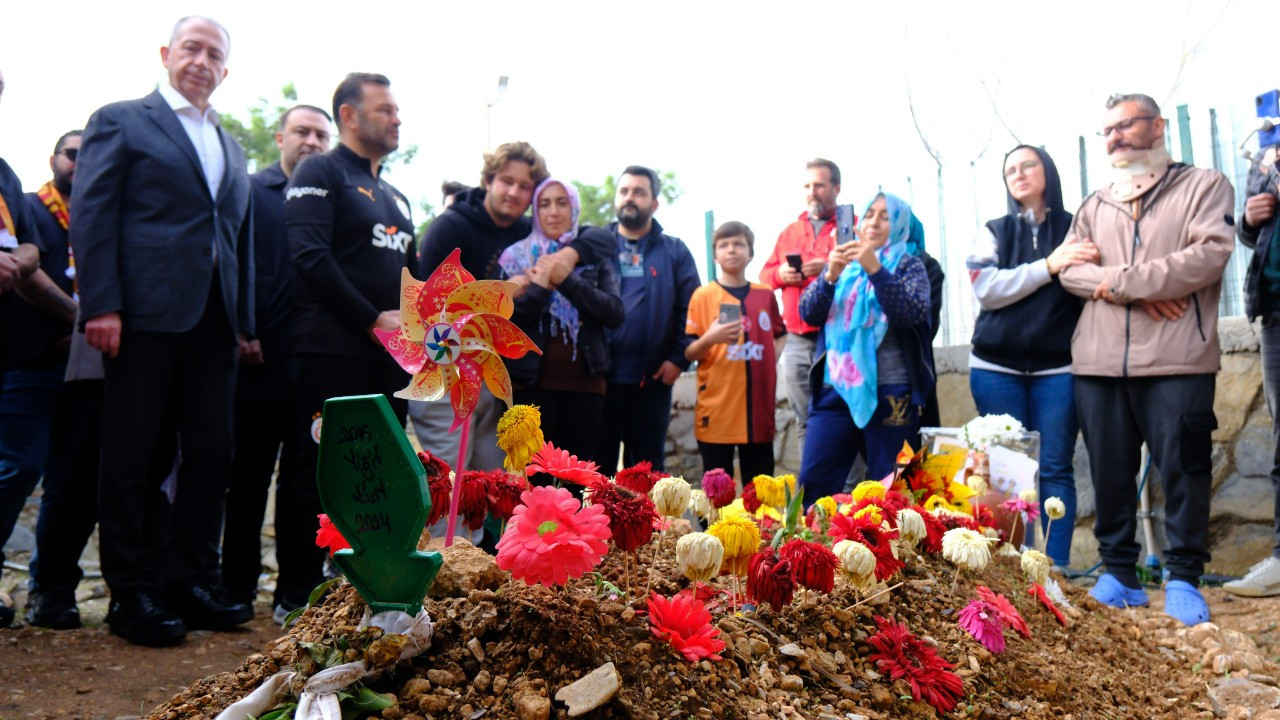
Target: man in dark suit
{"x": 164, "y": 258}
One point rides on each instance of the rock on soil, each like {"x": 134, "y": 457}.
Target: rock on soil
{"x": 591, "y": 691}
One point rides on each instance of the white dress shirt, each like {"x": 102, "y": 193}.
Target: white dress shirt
{"x": 202, "y": 129}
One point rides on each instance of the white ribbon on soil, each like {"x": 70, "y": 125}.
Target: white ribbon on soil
{"x": 319, "y": 697}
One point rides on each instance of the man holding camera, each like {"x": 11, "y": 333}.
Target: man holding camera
{"x": 796, "y": 260}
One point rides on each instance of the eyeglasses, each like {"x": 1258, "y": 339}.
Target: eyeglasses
{"x": 70, "y": 153}
{"x": 1123, "y": 125}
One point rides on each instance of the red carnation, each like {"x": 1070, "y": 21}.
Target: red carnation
{"x": 1008, "y": 613}
{"x": 328, "y": 536}
{"x": 932, "y": 542}
{"x": 639, "y": 477}
{"x": 439, "y": 486}
{"x": 770, "y": 579}
{"x": 631, "y": 514}
{"x": 903, "y": 655}
{"x": 868, "y": 532}
{"x": 749, "y": 501}
{"x": 685, "y": 623}
{"x": 473, "y": 502}
{"x": 953, "y": 520}
{"x": 719, "y": 487}
{"x": 814, "y": 564}
{"x": 502, "y": 490}
{"x": 895, "y": 501}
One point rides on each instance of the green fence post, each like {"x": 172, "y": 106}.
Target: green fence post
{"x": 1184, "y": 134}
{"x": 711, "y": 246}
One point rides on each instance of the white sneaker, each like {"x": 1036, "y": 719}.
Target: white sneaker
{"x": 1262, "y": 580}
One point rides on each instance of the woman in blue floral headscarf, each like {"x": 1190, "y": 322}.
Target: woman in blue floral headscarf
{"x": 564, "y": 309}
{"x": 873, "y": 369}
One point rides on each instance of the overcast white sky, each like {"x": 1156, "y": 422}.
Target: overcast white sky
{"x": 732, "y": 97}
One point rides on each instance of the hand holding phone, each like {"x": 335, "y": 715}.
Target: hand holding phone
{"x": 730, "y": 325}
{"x": 846, "y": 224}
{"x": 795, "y": 260}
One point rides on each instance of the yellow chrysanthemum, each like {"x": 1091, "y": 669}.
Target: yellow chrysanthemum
{"x": 936, "y": 502}
{"x": 520, "y": 435}
{"x": 736, "y": 508}
{"x": 867, "y": 489}
{"x": 741, "y": 538}
{"x": 827, "y": 505}
{"x": 699, "y": 556}
{"x": 789, "y": 481}
{"x": 1035, "y": 565}
{"x": 872, "y": 512}
{"x": 769, "y": 491}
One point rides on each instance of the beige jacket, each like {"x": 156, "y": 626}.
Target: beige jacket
{"x": 1185, "y": 226}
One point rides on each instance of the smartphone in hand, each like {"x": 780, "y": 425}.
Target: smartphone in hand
{"x": 730, "y": 313}
{"x": 845, "y": 220}
{"x": 795, "y": 261}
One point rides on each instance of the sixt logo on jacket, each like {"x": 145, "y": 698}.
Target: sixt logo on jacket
{"x": 390, "y": 237}
{"x": 297, "y": 192}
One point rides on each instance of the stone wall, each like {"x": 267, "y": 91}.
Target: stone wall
{"x": 1240, "y": 531}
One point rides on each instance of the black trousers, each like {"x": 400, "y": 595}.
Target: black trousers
{"x": 320, "y": 377}
{"x": 570, "y": 421}
{"x": 753, "y": 458}
{"x": 1174, "y": 416}
{"x": 159, "y": 384}
{"x": 263, "y": 416}
{"x": 69, "y": 507}
{"x": 637, "y": 417}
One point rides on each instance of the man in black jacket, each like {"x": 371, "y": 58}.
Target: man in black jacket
{"x": 351, "y": 234}
{"x": 264, "y": 387}
{"x": 163, "y": 250}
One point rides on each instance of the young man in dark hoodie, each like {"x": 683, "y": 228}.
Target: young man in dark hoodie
{"x": 482, "y": 222}
{"x": 658, "y": 278}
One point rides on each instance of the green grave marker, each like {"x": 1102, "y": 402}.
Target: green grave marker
{"x": 374, "y": 490}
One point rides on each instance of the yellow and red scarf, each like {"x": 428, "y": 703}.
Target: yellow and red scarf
{"x": 57, "y": 207}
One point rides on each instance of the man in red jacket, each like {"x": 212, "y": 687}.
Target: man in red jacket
{"x": 796, "y": 260}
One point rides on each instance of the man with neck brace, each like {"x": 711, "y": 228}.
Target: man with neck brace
{"x": 1146, "y": 349}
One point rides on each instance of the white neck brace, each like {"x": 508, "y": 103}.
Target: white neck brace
{"x": 1134, "y": 172}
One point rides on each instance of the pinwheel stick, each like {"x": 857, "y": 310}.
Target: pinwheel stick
{"x": 457, "y": 484}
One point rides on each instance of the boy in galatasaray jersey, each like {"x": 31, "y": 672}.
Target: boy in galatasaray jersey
{"x": 738, "y": 328}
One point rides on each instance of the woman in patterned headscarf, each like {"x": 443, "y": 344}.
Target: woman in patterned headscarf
{"x": 565, "y": 310}
{"x": 874, "y": 369}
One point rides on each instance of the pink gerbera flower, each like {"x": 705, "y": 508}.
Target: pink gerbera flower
{"x": 981, "y": 620}
{"x": 559, "y": 463}
{"x": 1008, "y": 613}
{"x": 552, "y": 538}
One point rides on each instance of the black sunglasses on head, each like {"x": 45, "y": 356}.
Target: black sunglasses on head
{"x": 71, "y": 153}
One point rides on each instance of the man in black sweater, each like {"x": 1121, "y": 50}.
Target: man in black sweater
{"x": 351, "y": 235}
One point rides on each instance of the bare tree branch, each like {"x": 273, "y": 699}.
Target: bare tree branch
{"x": 937, "y": 157}
{"x": 1189, "y": 55}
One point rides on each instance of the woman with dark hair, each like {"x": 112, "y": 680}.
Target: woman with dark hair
{"x": 1021, "y": 359}
{"x": 873, "y": 367}
{"x": 564, "y": 309}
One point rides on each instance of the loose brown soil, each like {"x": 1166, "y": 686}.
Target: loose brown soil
{"x": 533, "y": 641}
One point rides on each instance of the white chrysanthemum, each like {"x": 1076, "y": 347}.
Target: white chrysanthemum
{"x": 670, "y": 496}
{"x": 1007, "y": 550}
{"x": 977, "y": 484}
{"x": 699, "y": 556}
{"x": 1028, "y": 495}
{"x": 857, "y": 562}
{"x": 700, "y": 503}
{"x": 966, "y": 548}
{"x": 981, "y": 432}
{"x": 1055, "y": 508}
{"x": 1035, "y": 565}
{"x": 911, "y": 527}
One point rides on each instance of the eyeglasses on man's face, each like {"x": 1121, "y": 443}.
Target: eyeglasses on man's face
{"x": 1124, "y": 125}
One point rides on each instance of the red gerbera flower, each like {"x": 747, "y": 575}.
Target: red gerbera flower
{"x": 814, "y": 564}
{"x": 685, "y": 623}
{"x": 559, "y": 463}
{"x": 473, "y": 502}
{"x": 640, "y": 477}
{"x": 503, "y": 490}
{"x": 866, "y": 531}
{"x": 903, "y": 655}
{"x": 328, "y": 536}
{"x": 1037, "y": 591}
{"x": 552, "y": 538}
{"x": 719, "y": 487}
{"x": 439, "y": 486}
{"x": 770, "y": 579}
{"x": 631, "y": 514}
{"x": 750, "y": 502}
{"x": 932, "y": 542}
{"x": 1008, "y": 613}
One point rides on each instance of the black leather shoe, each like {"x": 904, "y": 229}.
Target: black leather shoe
{"x": 142, "y": 619}
{"x": 202, "y": 609}
{"x": 53, "y": 610}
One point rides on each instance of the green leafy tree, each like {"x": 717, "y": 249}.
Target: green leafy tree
{"x": 597, "y": 200}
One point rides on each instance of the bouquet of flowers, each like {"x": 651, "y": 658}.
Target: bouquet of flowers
{"x": 986, "y": 430}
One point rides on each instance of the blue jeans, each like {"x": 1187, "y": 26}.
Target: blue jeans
{"x": 28, "y": 402}
{"x": 1047, "y": 404}
{"x": 833, "y": 441}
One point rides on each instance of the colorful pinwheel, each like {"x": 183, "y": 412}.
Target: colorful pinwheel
{"x": 454, "y": 332}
